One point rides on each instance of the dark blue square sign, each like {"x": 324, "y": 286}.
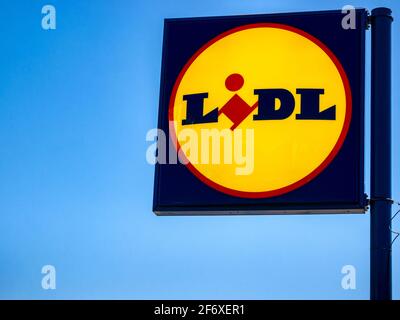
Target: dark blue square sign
{"x": 262, "y": 114}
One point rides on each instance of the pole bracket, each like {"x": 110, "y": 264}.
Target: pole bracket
{"x": 381, "y": 199}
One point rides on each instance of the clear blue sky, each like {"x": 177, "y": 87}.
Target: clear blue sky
{"x": 76, "y": 190}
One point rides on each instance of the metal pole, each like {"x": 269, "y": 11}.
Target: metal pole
{"x": 381, "y": 203}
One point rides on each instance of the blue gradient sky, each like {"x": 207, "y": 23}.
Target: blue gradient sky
{"x": 76, "y": 191}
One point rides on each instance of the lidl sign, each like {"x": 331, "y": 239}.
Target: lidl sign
{"x": 262, "y": 114}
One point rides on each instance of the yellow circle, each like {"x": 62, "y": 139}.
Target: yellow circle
{"x": 288, "y": 152}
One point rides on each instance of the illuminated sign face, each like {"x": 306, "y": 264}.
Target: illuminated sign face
{"x": 277, "y": 80}
{"x": 261, "y": 114}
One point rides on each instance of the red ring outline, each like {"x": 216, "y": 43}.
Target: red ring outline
{"x": 310, "y": 176}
